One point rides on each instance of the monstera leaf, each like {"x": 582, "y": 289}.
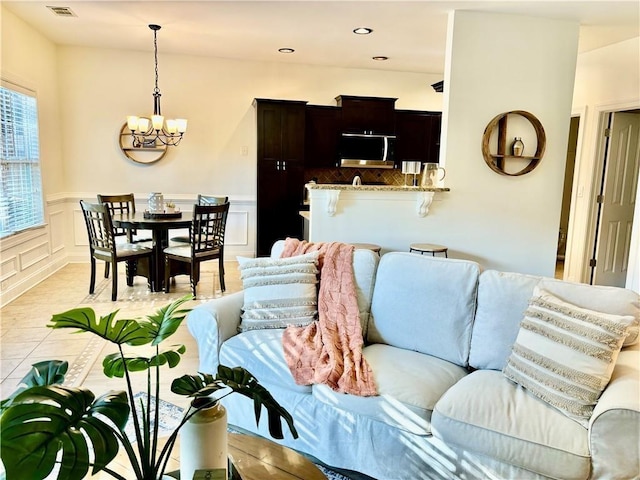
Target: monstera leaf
{"x": 116, "y": 331}
{"x": 166, "y": 320}
{"x": 152, "y": 330}
{"x": 239, "y": 381}
{"x": 114, "y": 364}
{"x": 48, "y": 372}
{"x": 41, "y": 421}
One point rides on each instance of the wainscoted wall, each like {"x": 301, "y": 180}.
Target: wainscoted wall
{"x": 29, "y": 257}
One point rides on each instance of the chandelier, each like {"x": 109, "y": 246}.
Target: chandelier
{"x": 147, "y": 132}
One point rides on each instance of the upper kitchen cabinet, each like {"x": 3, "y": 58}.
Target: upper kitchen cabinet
{"x": 322, "y": 131}
{"x": 367, "y": 114}
{"x": 417, "y": 136}
{"x": 280, "y": 172}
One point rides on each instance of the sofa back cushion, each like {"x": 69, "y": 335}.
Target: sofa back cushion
{"x": 503, "y": 297}
{"x": 425, "y": 304}
{"x": 365, "y": 264}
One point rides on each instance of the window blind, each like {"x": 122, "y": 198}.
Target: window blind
{"x": 21, "y": 205}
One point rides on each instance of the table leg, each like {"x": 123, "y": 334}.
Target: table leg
{"x": 160, "y": 242}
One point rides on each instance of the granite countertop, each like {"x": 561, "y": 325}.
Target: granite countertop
{"x": 373, "y": 188}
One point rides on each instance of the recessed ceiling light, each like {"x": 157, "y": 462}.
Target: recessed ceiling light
{"x": 286, "y": 50}
{"x": 380, "y": 58}
{"x": 363, "y": 31}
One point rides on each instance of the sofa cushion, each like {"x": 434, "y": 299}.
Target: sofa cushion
{"x": 409, "y": 385}
{"x": 260, "y": 352}
{"x": 279, "y": 292}
{"x": 502, "y": 299}
{"x": 487, "y": 414}
{"x": 565, "y": 354}
{"x": 601, "y": 298}
{"x": 365, "y": 264}
{"x": 425, "y": 304}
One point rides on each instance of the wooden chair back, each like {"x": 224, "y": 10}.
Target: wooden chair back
{"x": 208, "y": 228}
{"x": 211, "y": 200}
{"x": 97, "y": 217}
{"x": 120, "y": 205}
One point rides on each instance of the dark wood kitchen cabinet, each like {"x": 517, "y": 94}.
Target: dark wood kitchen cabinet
{"x": 367, "y": 114}
{"x": 417, "y": 136}
{"x": 322, "y": 131}
{"x": 280, "y": 149}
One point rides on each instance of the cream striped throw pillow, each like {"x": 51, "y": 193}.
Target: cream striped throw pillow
{"x": 279, "y": 292}
{"x": 565, "y": 354}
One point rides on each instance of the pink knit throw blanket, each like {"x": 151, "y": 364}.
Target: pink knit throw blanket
{"x": 329, "y": 350}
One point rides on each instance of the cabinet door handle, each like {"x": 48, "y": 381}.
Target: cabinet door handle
{"x": 277, "y": 164}
{"x": 284, "y": 165}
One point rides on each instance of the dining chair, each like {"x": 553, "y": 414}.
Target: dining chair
{"x": 122, "y": 204}
{"x": 206, "y": 243}
{"x": 202, "y": 200}
{"x": 103, "y": 246}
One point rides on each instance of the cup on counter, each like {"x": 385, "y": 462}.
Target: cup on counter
{"x": 432, "y": 175}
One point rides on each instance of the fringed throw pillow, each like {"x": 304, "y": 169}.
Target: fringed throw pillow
{"x": 279, "y": 292}
{"x": 565, "y": 354}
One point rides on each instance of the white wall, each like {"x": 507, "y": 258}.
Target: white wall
{"x": 498, "y": 63}
{"x": 607, "y": 79}
{"x": 30, "y": 60}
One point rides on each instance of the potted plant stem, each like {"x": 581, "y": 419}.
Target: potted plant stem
{"x": 49, "y": 427}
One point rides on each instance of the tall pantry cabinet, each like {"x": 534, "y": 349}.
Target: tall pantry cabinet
{"x": 280, "y": 149}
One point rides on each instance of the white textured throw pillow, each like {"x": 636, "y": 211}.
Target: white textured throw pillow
{"x": 279, "y": 292}
{"x": 565, "y": 354}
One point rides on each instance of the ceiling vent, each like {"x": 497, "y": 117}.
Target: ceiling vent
{"x": 62, "y": 11}
{"x": 438, "y": 86}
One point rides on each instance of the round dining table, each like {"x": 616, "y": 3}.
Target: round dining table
{"x": 159, "y": 226}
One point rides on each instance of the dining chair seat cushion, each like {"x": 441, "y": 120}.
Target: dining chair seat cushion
{"x": 185, "y": 251}
{"x": 130, "y": 249}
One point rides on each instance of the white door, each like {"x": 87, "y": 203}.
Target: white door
{"x": 619, "y": 194}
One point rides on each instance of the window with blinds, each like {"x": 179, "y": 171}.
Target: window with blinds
{"x": 21, "y": 205}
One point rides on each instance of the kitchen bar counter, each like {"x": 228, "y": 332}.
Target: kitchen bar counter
{"x": 373, "y": 188}
{"x": 392, "y": 216}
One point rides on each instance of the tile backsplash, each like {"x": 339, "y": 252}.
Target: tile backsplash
{"x": 346, "y": 175}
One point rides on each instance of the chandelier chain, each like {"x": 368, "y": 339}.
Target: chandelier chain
{"x": 155, "y": 56}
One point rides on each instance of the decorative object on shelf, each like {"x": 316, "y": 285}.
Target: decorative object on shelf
{"x": 156, "y": 202}
{"x": 517, "y": 147}
{"x": 497, "y": 161}
{"x": 203, "y": 441}
{"x": 170, "y": 207}
{"x": 147, "y": 133}
{"x": 432, "y": 175}
{"x": 50, "y": 430}
{"x": 411, "y": 168}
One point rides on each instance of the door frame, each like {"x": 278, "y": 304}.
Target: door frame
{"x": 587, "y": 244}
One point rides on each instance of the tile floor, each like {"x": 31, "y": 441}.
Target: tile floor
{"x": 25, "y": 338}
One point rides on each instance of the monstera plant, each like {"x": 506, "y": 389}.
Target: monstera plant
{"x": 48, "y": 427}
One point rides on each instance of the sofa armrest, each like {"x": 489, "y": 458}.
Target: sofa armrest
{"x": 614, "y": 428}
{"x": 212, "y": 323}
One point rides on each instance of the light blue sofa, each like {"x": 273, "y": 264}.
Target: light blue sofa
{"x": 438, "y": 333}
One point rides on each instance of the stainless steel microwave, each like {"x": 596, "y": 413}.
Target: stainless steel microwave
{"x": 364, "y": 150}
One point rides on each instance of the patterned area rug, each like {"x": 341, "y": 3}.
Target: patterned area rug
{"x": 208, "y": 288}
{"x": 171, "y": 414}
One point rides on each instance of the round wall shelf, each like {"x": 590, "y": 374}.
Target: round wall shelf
{"x": 497, "y": 161}
{"x": 145, "y": 154}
